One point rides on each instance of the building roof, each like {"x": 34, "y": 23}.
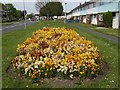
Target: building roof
{"x": 81, "y": 5}
{"x": 113, "y": 7}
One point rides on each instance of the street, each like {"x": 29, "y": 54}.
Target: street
{"x": 16, "y": 26}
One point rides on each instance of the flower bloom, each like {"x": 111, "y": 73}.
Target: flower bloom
{"x": 57, "y": 52}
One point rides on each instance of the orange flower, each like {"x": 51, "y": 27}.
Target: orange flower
{"x": 88, "y": 65}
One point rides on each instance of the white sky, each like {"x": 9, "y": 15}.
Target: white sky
{"x": 30, "y": 4}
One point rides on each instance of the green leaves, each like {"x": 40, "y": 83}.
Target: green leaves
{"x": 108, "y": 18}
{"x": 52, "y": 9}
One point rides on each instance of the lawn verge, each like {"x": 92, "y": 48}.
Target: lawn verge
{"x": 108, "y": 31}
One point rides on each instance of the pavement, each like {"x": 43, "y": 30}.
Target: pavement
{"x": 105, "y": 36}
{"x": 16, "y": 26}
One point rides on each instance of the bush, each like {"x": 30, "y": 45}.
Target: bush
{"x": 108, "y": 18}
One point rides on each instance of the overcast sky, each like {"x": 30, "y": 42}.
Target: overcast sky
{"x": 30, "y": 4}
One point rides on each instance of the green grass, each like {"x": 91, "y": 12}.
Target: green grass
{"x": 109, "y": 31}
{"x": 9, "y": 23}
{"x": 108, "y": 49}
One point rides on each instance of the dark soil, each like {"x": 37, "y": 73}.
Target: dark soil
{"x": 56, "y": 82}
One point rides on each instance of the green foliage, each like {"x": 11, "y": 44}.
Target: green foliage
{"x": 30, "y": 15}
{"x": 18, "y": 14}
{"x": 12, "y": 13}
{"x": 52, "y": 9}
{"x": 108, "y": 18}
{"x": 2, "y": 6}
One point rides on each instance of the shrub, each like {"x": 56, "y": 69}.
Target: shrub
{"x": 108, "y": 18}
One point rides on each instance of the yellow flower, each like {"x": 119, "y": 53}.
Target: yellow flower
{"x": 92, "y": 72}
{"x": 82, "y": 72}
{"x": 26, "y": 65}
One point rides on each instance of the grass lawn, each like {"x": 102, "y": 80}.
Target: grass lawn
{"x": 10, "y": 41}
{"x": 9, "y": 23}
{"x": 109, "y": 31}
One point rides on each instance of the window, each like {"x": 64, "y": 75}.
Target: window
{"x": 94, "y": 4}
{"x": 84, "y": 8}
{"x": 101, "y": 3}
{"x": 110, "y": 1}
{"x": 87, "y": 6}
{"x": 80, "y": 9}
{"x": 77, "y": 10}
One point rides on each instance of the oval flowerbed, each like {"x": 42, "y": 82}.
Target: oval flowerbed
{"x": 57, "y": 52}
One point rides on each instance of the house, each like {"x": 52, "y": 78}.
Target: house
{"x": 3, "y": 15}
{"x": 91, "y": 12}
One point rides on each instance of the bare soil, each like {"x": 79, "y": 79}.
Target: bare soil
{"x": 58, "y": 83}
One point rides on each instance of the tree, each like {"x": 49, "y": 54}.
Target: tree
{"x": 18, "y": 14}
{"x": 108, "y": 18}
{"x": 30, "y": 15}
{"x": 40, "y": 3}
{"x": 46, "y": 10}
{"x": 2, "y": 6}
{"x": 3, "y": 13}
{"x": 11, "y": 11}
{"x": 52, "y": 9}
{"x": 58, "y": 9}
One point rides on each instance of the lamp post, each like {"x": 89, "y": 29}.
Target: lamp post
{"x": 65, "y": 13}
{"x": 24, "y": 14}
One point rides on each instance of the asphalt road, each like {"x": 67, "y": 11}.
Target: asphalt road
{"x": 16, "y": 26}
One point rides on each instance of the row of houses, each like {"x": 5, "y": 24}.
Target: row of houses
{"x": 91, "y": 12}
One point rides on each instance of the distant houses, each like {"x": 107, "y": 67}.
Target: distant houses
{"x": 92, "y": 12}
{"x": 3, "y": 15}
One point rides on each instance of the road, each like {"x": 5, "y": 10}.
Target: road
{"x": 16, "y": 26}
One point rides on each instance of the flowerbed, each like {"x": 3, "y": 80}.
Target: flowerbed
{"x": 57, "y": 52}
